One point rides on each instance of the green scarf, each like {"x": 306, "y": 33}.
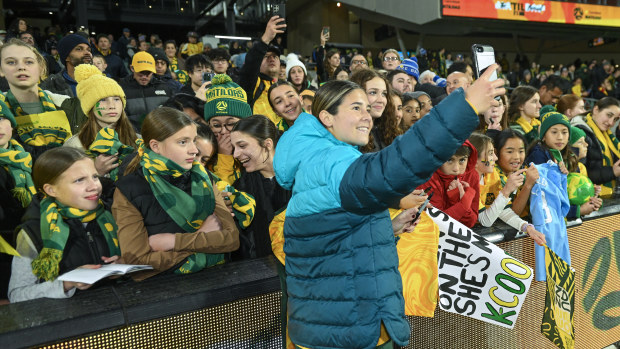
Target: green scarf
{"x": 186, "y": 211}
{"x": 55, "y": 233}
{"x": 37, "y": 136}
{"x": 609, "y": 147}
{"x": 107, "y": 143}
{"x": 18, "y": 164}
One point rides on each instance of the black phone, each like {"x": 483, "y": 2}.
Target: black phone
{"x": 206, "y": 77}
{"x": 278, "y": 10}
{"x": 424, "y": 204}
{"x": 484, "y": 56}
{"x": 325, "y": 31}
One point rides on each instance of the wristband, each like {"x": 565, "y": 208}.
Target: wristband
{"x": 526, "y": 226}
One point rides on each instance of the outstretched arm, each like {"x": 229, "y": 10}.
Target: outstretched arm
{"x": 377, "y": 181}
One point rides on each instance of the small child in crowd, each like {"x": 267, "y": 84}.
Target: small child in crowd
{"x": 456, "y": 186}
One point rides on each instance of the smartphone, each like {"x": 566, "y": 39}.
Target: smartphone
{"x": 484, "y": 56}
{"x": 278, "y": 10}
{"x": 325, "y": 31}
{"x": 206, "y": 77}
{"x": 424, "y": 204}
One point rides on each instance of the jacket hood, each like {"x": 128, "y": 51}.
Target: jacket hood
{"x": 580, "y": 120}
{"x": 471, "y": 165}
{"x": 307, "y": 134}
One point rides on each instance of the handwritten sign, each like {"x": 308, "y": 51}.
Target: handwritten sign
{"x": 477, "y": 278}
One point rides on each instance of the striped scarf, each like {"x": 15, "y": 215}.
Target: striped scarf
{"x": 107, "y": 143}
{"x": 55, "y": 233}
{"x": 34, "y": 132}
{"x": 18, "y": 163}
{"x": 187, "y": 211}
{"x": 528, "y": 126}
{"x": 609, "y": 147}
{"x": 16, "y": 108}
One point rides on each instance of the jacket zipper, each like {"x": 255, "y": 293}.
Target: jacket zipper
{"x": 92, "y": 246}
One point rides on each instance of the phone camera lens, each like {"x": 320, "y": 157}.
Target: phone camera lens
{"x": 479, "y": 49}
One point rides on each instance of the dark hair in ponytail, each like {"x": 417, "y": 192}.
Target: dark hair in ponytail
{"x": 260, "y": 128}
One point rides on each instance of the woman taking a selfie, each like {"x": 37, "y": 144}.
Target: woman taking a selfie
{"x": 344, "y": 288}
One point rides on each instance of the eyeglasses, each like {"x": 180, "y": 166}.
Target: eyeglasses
{"x": 387, "y": 59}
{"x": 358, "y": 62}
{"x": 219, "y": 61}
{"x": 217, "y": 127}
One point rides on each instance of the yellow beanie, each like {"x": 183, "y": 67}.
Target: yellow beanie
{"x": 93, "y": 86}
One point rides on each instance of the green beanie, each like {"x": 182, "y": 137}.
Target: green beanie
{"x": 225, "y": 98}
{"x": 5, "y": 112}
{"x": 575, "y": 134}
{"x": 547, "y": 109}
{"x": 550, "y": 119}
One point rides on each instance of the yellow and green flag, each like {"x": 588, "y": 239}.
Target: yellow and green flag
{"x": 557, "y": 322}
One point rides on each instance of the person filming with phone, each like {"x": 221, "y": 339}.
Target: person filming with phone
{"x": 261, "y": 69}
{"x": 200, "y": 72}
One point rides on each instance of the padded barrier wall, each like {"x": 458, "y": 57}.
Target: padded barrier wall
{"x": 254, "y": 322}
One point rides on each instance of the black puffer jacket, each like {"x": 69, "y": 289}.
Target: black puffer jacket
{"x": 141, "y": 100}
{"x": 11, "y": 211}
{"x": 138, "y": 191}
{"x": 85, "y": 245}
{"x": 598, "y": 173}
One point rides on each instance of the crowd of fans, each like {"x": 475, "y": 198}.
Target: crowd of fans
{"x": 183, "y": 139}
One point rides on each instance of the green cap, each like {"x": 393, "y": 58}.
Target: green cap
{"x": 225, "y": 98}
{"x": 575, "y": 134}
{"x": 6, "y": 112}
{"x": 550, "y": 119}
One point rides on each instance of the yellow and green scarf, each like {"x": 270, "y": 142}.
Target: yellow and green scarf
{"x": 18, "y": 163}
{"x": 609, "y": 144}
{"x": 243, "y": 204}
{"x": 13, "y": 104}
{"x": 174, "y": 64}
{"x": 55, "y": 233}
{"x": 530, "y": 129}
{"x": 107, "y": 143}
{"x": 33, "y": 135}
{"x": 187, "y": 211}
{"x": 182, "y": 76}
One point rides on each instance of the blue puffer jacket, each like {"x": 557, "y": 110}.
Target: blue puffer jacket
{"x": 341, "y": 260}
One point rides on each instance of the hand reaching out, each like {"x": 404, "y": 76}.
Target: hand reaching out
{"x": 538, "y": 237}
{"x": 403, "y": 223}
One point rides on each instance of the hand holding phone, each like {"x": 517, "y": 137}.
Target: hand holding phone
{"x": 206, "y": 77}
{"x": 326, "y": 33}
{"x": 484, "y": 56}
{"x": 278, "y": 10}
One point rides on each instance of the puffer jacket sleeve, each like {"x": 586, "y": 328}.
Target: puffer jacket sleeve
{"x": 374, "y": 182}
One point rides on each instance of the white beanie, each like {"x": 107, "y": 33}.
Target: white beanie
{"x": 293, "y": 61}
